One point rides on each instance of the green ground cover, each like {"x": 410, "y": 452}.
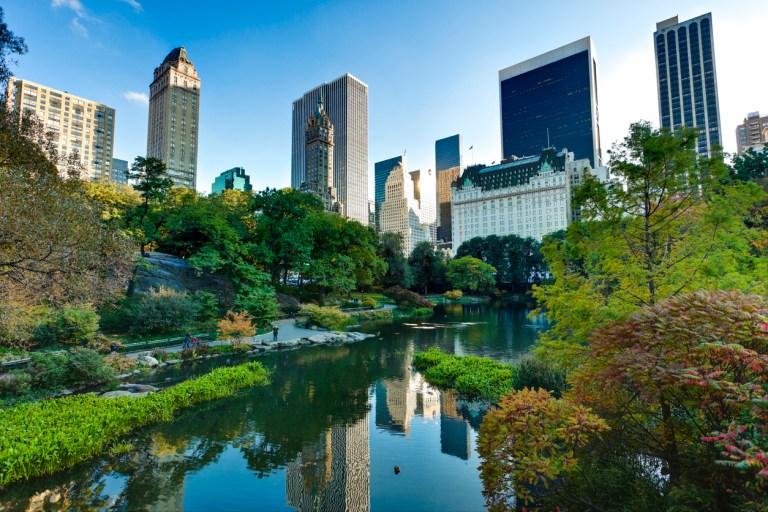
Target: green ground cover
{"x": 44, "y": 437}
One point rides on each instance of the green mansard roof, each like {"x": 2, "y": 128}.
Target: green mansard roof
{"x": 512, "y": 172}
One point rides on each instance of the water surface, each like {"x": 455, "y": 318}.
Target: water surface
{"x": 326, "y": 434}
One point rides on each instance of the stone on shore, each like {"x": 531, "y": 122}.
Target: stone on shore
{"x": 148, "y": 360}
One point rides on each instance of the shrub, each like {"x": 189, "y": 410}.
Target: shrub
{"x": 324, "y": 317}
{"x": 288, "y": 303}
{"x": 85, "y": 368}
{"x": 236, "y": 326}
{"x": 209, "y": 305}
{"x": 202, "y": 350}
{"x": 380, "y": 314}
{"x": 103, "y": 344}
{"x": 77, "y": 368}
{"x": 120, "y": 363}
{"x": 369, "y": 302}
{"x": 534, "y": 373}
{"x": 72, "y": 324}
{"x": 44, "y": 437}
{"x": 160, "y": 354}
{"x": 17, "y": 325}
{"x": 259, "y": 302}
{"x": 15, "y": 383}
{"x": 405, "y": 299}
{"x": 161, "y": 311}
{"x": 187, "y": 354}
{"x": 453, "y": 294}
{"x": 528, "y": 442}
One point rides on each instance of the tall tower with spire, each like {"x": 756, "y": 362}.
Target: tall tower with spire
{"x": 346, "y": 102}
{"x": 174, "y": 113}
{"x": 318, "y": 158}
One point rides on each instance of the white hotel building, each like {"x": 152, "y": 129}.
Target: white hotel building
{"x": 527, "y": 197}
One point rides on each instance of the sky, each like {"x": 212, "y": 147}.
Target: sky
{"x": 431, "y": 66}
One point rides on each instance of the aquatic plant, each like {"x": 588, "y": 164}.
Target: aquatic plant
{"x": 44, "y": 437}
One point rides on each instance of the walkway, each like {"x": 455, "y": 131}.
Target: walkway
{"x": 287, "y": 330}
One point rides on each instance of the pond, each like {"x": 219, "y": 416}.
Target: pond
{"x": 326, "y": 434}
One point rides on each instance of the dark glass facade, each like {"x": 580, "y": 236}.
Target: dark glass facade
{"x": 381, "y": 172}
{"x": 448, "y": 153}
{"x": 686, "y": 75}
{"x": 550, "y": 105}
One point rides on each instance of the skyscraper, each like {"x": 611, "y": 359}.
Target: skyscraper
{"x": 400, "y": 211}
{"x": 318, "y": 158}
{"x": 233, "y": 179}
{"x": 81, "y": 128}
{"x": 448, "y": 165}
{"x": 174, "y": 113}
{"x": 119, "y": 171}
{"x": 551, "y": 100}
{"x": 448, "y": 153}
{"x": 381, "y": 172}
{"x": 751, "y": 132}
{"x": 687, "y": 80}
{"x": 346, "y": 102}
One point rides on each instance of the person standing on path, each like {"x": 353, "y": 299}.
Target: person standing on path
{"x": 187, "y": 340}
{"x": 274, "y": 332}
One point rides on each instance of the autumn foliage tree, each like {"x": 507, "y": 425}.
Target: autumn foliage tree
{"x": 528, "y": 443}
{"x": 236, "y": 326}
{"x": 680, "y": 377}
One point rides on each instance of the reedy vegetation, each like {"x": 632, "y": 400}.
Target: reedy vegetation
{"x": 44, "y": 437}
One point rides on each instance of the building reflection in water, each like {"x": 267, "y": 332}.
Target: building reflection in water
{"x": 333, "y": 473}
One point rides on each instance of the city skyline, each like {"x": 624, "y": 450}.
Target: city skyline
{"x": 409, "y": 113}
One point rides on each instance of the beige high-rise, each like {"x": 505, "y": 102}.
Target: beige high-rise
{"x": 81, "y": 128}
{"x": 174, "y": 113}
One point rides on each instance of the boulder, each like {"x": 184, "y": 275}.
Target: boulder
{"x": 137, "y": 388}
{"x": 147, "y": 360}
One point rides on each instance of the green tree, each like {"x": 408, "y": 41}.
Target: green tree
{"x": 282, "y": 229}
{"x": 664, "y": 226}
{"x": 427, "y": 267}
{"x": 10, "y": 44}
{"x": 154, "y": 185}
{"x": 750, "y": 166}
{"x": 471, "y": 274}
{"x": 391, "y": 251}
{"x": 54, "y": 245}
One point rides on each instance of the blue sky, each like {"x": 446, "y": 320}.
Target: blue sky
{"x": 431, "y": 66}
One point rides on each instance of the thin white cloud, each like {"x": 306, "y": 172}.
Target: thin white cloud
{"x": 75, "y": 5}
{"x": 81, "y": 15}
{"x": 137, "y": 97}
{"x": 133, "y": 3}
{"x": 78, "y": 28}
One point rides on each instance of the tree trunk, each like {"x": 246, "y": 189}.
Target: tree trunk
{"x": 669, "y": 442}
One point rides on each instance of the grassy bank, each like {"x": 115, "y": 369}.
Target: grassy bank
{"x": 42, "y": 438}
{"x": 480, "y": 377}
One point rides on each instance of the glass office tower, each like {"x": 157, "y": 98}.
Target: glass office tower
{"x": 551, "y": 101}
{"x": 381, "y": 172}
{"x": 686, "y": 77}
{"x": 448, "y": 152}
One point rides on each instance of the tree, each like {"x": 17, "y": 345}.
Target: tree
{"x": 750, "y": 166}
{"x": 666, "y": 225}
{"x": 515, "y": 258}
{"x": 673, "y": 374}
{"x": 528, "y": 442}
{"x": 54, "y": 245}
{"x": 154, "y": 186}
{"x": 391, "y": 251}
{"x": 471, "y": 274}
{"x": 236, "y": 326}
{"x": 10, "y": 44}
{"x": 282, "y": 230}
{"x": 427, "y": 267}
